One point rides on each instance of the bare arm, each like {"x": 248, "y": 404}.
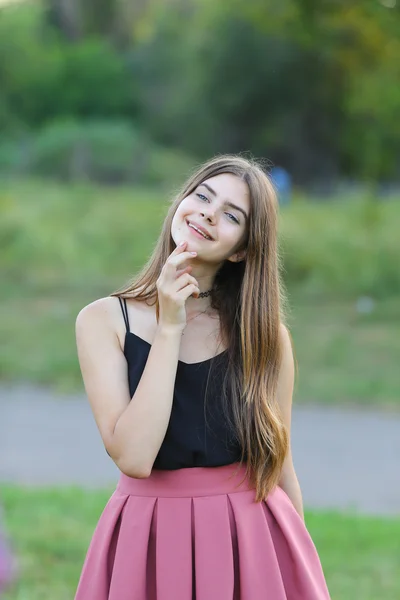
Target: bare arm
{"x": 288, "y": 479}
{"x": 132, "y": 429}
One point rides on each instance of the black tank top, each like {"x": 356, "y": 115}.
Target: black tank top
{"x": 198, "y": 434}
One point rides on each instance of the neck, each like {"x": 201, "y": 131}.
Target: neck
{"x": 197, "y": 305}
{"x": 205, "y": 281}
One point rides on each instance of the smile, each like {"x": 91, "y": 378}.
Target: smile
{"x": 197, "y": 232}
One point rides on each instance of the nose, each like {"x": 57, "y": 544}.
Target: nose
{"x": 209, "y": 215}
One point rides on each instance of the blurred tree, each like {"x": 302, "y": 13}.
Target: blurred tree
{"x": 117, "y": 20}
{"x": 227, "y": 83}
{"x": 42, "y": 78}
{"x": 311, "y": 85}
{"x": 369, "y": 57}
{"x": 66, "y": 16}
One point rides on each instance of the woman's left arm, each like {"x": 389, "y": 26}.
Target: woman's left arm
{"x": 288, "y": 480}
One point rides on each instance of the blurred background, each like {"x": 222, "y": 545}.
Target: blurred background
{"x": 105, "y": 108}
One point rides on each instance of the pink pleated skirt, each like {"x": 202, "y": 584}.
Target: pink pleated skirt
{"x": 198, "y": 534}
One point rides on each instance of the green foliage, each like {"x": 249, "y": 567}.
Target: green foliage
{"x": 312, "y": 87}
{"x": 292, "y": 82}
{"x": 64, "y": 246}
{"x": 94, "y": 82}
{"x": 43, "y": 78}
{"x": 341, "y": 249}
{"x": 345, "y": 249}
{"x": 107, "y": 151}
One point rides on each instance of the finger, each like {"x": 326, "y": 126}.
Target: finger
{"x": 185, "y": 280}
{"x": 180, "y": 258}
{"x": 183, "y": 293}
{"x": 179, "y": 248}
{"x": 180, "y": 272}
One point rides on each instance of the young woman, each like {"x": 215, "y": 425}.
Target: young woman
{"x": 189, "y": 372}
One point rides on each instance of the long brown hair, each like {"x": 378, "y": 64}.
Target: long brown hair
{"x": 249, "y": 297}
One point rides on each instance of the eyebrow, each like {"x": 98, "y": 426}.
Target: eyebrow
{"x": 227, "y": 203}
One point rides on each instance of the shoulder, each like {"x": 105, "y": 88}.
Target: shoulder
{"x": 285, "y": 338}
{"x": 102, "y": 311}
{"x": 103, "y": 314}
{"x": 286, "y": 348}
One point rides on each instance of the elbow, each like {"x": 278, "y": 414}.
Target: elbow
{"x": 136, "y": 474}
{"x": 134, "y": 471}
{"x": 129, "y": 468}
{"x": 138, "y": 468}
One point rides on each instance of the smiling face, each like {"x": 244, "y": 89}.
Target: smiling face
{"x": 220, "y": 206}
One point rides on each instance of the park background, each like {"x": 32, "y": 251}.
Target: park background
{"x": 105, "y": 107}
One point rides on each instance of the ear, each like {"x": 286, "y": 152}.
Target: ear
{"x": 237, "y": 256}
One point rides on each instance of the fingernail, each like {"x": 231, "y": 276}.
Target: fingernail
{"x": 182, "y": 243}
{"x": 194, "y": 253}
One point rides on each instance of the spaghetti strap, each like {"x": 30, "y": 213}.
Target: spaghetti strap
{"x": 124, "y": 312}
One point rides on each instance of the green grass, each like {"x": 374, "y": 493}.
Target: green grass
{"x": 65, "y": 246}
{"x": 51, "y": 530}
{"x": 346, "y": 358}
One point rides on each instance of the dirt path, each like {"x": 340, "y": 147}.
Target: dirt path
{"x": 344, "y": 459}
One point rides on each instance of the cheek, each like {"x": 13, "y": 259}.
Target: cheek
{"x": 182, "y": 209}
{"x": 185, "y": 209}
{"x": 228, "y": 233}
{"x": 179, "y": 217}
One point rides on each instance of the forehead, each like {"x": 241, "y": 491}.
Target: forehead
{"x": 229, "y": 187}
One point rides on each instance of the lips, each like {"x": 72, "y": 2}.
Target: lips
{"x": 201, "y": 229}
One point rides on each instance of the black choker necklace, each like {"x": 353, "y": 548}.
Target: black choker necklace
{"x": 204, "y": 294}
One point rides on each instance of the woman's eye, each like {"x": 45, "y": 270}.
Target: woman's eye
{"x": 231, "y": 216}
{"x": 202, "y": 196}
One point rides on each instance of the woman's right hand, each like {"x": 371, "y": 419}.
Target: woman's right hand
{"x": 174, "y": 286}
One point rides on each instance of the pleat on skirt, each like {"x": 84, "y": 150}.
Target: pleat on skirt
{"x": 198, "y": 534}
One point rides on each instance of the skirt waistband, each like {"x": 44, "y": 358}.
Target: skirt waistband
{"x": 192, "y": 481}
